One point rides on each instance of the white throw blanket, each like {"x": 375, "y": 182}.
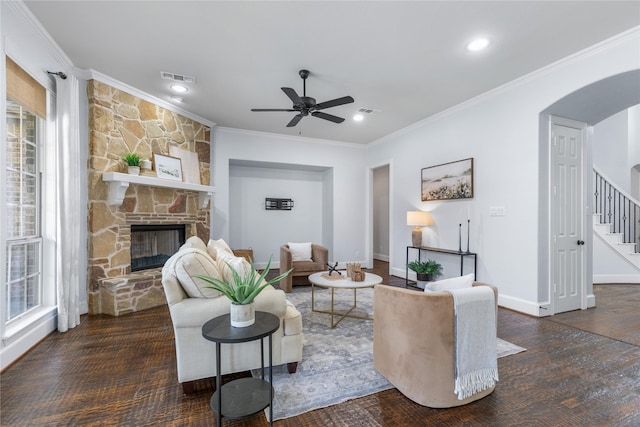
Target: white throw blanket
{"x": 476, "y": 364}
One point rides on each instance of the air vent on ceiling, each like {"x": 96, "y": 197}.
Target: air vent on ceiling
{"x": 368, "y": 111}
{"x": 177, "y": 77}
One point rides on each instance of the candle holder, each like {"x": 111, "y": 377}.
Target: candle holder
{"x": 460, "y": 237}
{"x": 468, "y": 228}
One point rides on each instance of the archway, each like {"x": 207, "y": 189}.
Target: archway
{"x": 590, "y": 104}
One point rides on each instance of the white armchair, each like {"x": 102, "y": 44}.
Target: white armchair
{"x": 196, "y": 356}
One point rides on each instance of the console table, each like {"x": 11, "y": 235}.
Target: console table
{"x": 244, "y": 396}
{"x": 460, "y": 254}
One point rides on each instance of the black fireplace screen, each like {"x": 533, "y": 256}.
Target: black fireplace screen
{"x": 153, "y": 244}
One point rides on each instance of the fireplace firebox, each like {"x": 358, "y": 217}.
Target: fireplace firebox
{"x": 153, "y": 244}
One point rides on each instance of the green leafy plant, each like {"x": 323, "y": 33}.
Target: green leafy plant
{"x": 430, "y": 267}
{"x": 132, "y": 159}
{"x": 244, "y": 288}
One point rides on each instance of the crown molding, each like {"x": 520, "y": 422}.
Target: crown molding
{"x": 35, "y": 27}
{"x": 103, "y": 78}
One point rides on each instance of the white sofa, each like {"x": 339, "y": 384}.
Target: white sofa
{"x": 191, "y": 305}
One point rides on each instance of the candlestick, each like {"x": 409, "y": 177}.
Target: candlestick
{"x": 468, "y": 227}
{"x": 460, "y": 237}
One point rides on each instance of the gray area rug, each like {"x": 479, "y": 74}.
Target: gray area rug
{"x": 337, "y": 364}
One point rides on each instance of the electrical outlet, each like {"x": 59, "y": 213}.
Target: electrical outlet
{"x": 496, "y": 211}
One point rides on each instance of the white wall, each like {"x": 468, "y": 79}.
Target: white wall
{"x": 251, "y": 225}
{"x": 342, "y": 205}
{"x": 611, "y": 149}
{"x": 500, "y": 130}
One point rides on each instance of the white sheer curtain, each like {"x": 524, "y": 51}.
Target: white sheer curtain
{"x": 69, "y": 204}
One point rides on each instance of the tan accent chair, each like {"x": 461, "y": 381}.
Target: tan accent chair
{"x": 413, "y": 344}
{"x": 319, "y": 260}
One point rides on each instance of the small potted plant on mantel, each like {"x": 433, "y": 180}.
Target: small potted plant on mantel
{"x": 426, "y": 271}
{"x": 133, "y": 163}
{"x": 242, "y": 291}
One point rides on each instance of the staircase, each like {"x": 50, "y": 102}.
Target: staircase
{"x": 616, "y": 219}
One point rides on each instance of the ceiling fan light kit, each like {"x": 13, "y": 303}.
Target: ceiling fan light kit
{"x": 305, "y": 105}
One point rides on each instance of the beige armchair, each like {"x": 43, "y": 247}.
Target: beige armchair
{"x": 413, "y": 344}
{"x": 319, "y": 260}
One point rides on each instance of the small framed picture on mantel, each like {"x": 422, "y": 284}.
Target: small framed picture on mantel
{"x": 168, "y": 167}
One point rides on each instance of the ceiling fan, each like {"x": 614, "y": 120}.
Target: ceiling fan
{"x": 306, "y": 105}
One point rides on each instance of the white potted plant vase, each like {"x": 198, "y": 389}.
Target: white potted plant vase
{"x": 242, "y": 315}
{"x": 133, "y": 170}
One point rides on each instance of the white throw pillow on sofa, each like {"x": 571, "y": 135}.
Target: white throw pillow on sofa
{"x": 300, "y": 251}
{"x": 452, "y": 283}
{"x": 239, "y": 264}
{"x": 194, "y": 242}
{"x": 214, "y": 245}
{"x": 192, "y": 262}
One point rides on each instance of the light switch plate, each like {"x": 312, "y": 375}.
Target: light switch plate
{"x": 496, "y": 211}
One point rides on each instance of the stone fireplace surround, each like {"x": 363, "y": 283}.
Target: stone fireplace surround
{"x": 120, "y": 123}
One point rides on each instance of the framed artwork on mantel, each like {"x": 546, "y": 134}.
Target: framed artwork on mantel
{"x": 190, "y": 164}
{"x": 168, "y": 167}
{"x": 453, "y": 180}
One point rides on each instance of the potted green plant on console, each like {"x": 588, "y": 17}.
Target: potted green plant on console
{"x": 242, "y": 291}
{"x": 426, "y": 271}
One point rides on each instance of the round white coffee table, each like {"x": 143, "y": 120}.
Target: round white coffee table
{"x": 320, "y": 280}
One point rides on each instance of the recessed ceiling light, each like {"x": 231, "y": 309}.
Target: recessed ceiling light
{"x": 478, "y": 44}
{"x": 177, "y": 98}
{"x": 179, "y": 88}
{"x": 358, "y": 117}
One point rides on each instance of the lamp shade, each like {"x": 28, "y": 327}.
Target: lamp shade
{"x": 419, "y": 219}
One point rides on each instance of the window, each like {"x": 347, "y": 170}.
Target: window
{"x": 25, "y": 112}
{"x": 23, "y": 288}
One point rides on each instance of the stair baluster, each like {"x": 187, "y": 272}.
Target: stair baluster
{"x": 616, "y": 208}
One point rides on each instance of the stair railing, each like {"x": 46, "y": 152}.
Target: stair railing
{"x": 617, "y": 208}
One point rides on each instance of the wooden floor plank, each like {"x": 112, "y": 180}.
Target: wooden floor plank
{"x": 580, "y": 369}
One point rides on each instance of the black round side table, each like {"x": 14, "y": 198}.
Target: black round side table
{"x": 244, "y": 396}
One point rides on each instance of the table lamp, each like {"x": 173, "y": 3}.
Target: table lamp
{"x": 418, "y": 219}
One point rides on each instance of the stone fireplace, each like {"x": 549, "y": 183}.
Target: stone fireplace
{"x": 121, "y": 123}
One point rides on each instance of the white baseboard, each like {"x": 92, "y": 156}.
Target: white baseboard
{"x": 381, "y": 257}
{"x": 520, "y": 305}
{"x": 16, "y": 348}
{"x": 591, "y": 301}
{"x": 616, "y": 278}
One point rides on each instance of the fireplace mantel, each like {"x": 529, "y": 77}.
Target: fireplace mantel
{"x": 119, "y": 182}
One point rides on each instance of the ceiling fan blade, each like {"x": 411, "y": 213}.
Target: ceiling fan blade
{"x": 293, "y": 96}
{"x": 331, "y": 118}
{"x": 295, "y": 120}
{"x": 270, "y": 109}
{"x": 334, "y": 103}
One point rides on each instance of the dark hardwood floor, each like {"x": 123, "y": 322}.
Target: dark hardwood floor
{"x": 580, "y": 369}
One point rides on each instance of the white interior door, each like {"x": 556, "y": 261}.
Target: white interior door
{"x": 567, "y": 226}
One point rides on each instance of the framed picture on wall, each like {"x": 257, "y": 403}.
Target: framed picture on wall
{"x": 168, "y": 167}
{"x": 453, "y": 180}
